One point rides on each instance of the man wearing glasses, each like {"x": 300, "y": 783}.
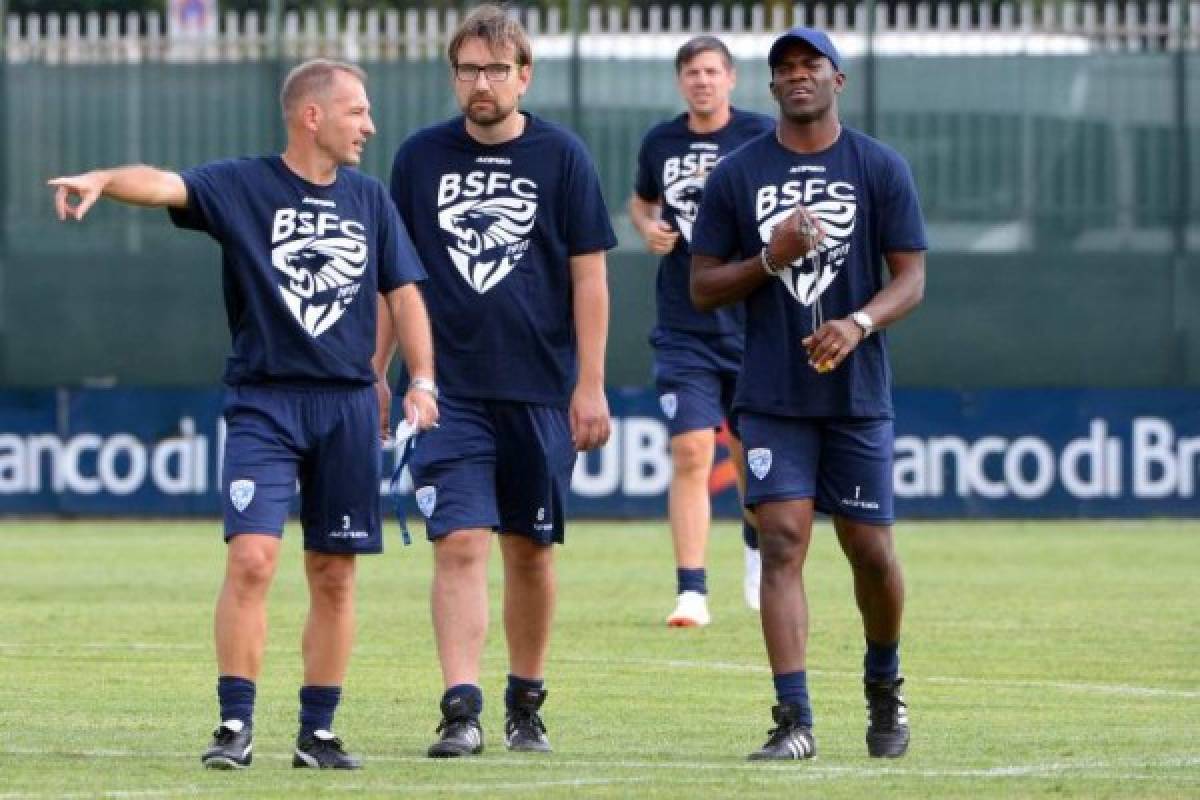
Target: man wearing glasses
{"x": 507, "y": 216}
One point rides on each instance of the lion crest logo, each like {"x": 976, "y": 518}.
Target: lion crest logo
{"x": 321, "y": 278}
{"x": 804, "y": 282}
{"x": 684, "y": 198}
{"x": 487, "y": 237}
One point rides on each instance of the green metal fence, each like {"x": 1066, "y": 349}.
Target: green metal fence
{"x": 1066, "y": 247}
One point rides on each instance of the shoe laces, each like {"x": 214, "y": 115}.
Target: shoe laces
{"x": 223, "y": 735}
{"x": 884, "y": 703}
{"x": 334, "y": 744}
{"x": 524, "y": 719}
{"x": 314, "y": 744}
{"x": 786, "y": 724}
{"x": 451, "y": 726}
{"x": 780, "y": 733}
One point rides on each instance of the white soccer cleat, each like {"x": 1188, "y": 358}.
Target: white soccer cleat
{"x": 691, "y": 611}
{"x": 753, "y": 577}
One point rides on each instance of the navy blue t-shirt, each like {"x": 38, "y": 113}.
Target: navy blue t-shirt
{"x": 673, "y": 164}
{"x": 495, "y": 226}
{"x": 864, "y": 194}
{"x": 302, "y": 265}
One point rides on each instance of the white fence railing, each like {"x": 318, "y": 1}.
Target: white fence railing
{"x": 922, "y": 28}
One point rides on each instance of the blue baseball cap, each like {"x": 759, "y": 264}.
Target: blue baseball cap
{"x": 817, "y": 40}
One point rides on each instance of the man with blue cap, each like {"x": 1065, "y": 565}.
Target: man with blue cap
{"x": 798, "y": 224}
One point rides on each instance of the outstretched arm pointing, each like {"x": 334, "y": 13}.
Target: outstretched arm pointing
{"x": 137, "y": 185}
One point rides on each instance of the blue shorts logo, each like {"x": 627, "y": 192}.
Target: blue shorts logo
{"x": 759, "y": 460}
{"x": 427, "y": 500}
{"x": 669, "y": 403}
{"x": 241, "y": 493}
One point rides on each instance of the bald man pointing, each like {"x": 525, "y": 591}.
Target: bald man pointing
{"x": 306, "y": 246}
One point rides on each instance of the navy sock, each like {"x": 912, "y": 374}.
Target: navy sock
{"x": 692, "y": 580}
{"x": 749, "y": 535}
{"x": 471, "y": 694}
{"x": 518, "y": 684}
{"x": 236, "y": 696}
{"x": 882, "y": 661}
{"x": 317, "y": 705}
{"x": 791, "y": 689}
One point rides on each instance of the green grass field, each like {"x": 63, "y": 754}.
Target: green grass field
{"x": 1043, "y": 659}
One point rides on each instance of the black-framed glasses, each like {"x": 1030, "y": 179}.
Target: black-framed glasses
{"x": 495, "y": 73}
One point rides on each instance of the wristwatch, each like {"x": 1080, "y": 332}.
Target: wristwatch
{"x": 863, "y": 320}
{"x": 425, "y": 385}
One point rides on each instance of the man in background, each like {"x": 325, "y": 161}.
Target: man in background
{"x": 697, "y": 354}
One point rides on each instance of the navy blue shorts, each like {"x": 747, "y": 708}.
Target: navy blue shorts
{"x": 695, "y": 375}
{"x": 845, "y": 464}
{"x": 495, "y": 464}
{"x": 328, "y": 440}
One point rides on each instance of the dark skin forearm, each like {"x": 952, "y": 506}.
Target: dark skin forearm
{"x": 715, "y": 284}
{"x": 833, "y": 342}
{"x": 903, "y": 293}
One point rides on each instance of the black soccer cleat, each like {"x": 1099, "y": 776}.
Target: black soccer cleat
{"x": 887, "y": 719}
{"x": 524, "y": 730}
{"x": 232, "y": 746}
{"x": 788, "y": 740}
{"x": 323, "y": 750}
{"x": 461, "y": 734}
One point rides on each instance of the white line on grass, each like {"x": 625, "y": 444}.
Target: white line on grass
{"x": 102, "y": 646}
{"x": 183, "y": 791}
{"x": 192, "y": 791}
{"x": 1101, "y": 688}
{"x": 725, "y": 666}
{"x": 832, "y": 770}
{"x": 522, "y": 786}
{"x": 1118, "y": 767}
{"x": 718, "y": 666}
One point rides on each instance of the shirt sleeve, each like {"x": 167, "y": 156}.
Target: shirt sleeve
{"x": 646, "y": 183}
{"x": 588, "y": 225}
{"x": 397, "y": 184}
{"x": 715, "y": 231}
{"x": 211, "y": 191}
{"x": 902, "y": 227}
{"x": 398, "y": 261}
